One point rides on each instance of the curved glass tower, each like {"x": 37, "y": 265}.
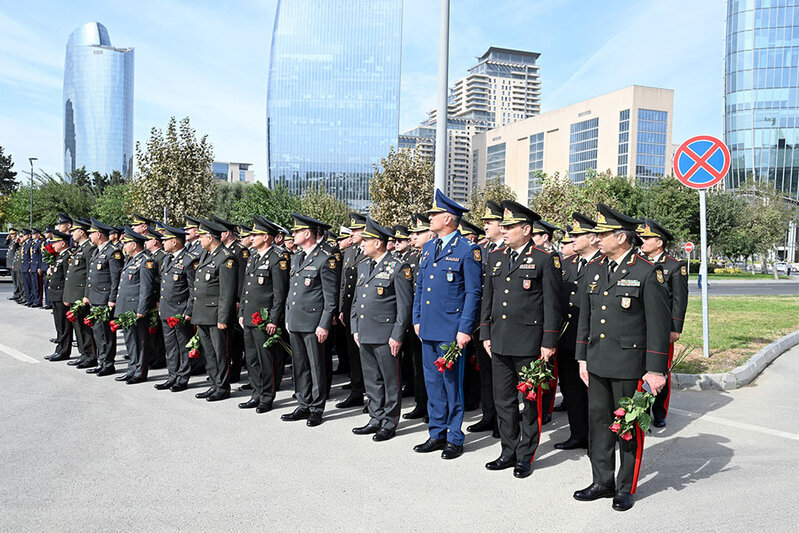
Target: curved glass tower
{"x": 333, "y": 94}
{"x": 98, "y": 103}
{"x": 762, "y": 92}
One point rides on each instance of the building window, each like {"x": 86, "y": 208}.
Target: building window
{"x": 474, "y": 168}
{"x": 495, "y": 162}
{"x": 624, "y": 139}
{"x": 536, "y": 165}
{"x": 650, "y": 159}
{"x": 582, "y": 148}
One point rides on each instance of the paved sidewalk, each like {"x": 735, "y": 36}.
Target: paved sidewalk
{"x": 81, "y": 453}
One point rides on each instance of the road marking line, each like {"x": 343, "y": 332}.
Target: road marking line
{"x": 16, "y": 354}
{"x": 739, "y": 425}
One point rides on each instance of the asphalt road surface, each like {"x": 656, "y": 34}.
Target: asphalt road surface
{"x": 81, "y": 453}
{"x": 747, "y": 288}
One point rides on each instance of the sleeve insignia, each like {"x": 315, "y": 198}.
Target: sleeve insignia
{"x": 196, "y": 264}
{"x": 477, "y": 256}
{"x": 229, "y": 263}
{"x": 406, "y": 272}
{"x": 659, "y": 275}
{"x": 556, "y": 260}
{"x": 338, "y": 256}
{"x": 117, "y": 255}
{"x": 684, "y": 270}
{"x": 332, "y": 263}
{"x": 245, "y": 254}
{"x": 283, "y": 264}
{"x": 149, "y": 264}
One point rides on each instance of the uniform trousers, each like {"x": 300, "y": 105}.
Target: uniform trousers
{"x": 603, "y": 399}
{"x": 85, "y": 340}
{"x": 660, "y": 409}
{"x": 444, "y": 394}
{"x": 177, "y": 354}
{"x": 260, "y": 365}
{"x": 414, "y": 347}
{"x": 356, "y": 370}
{"x": 16, "y": 278}
{"x": 63, "y": 329}
{"x": 486, "y": 384}
{"x": 519, "y": 432}
{"x": 215, "y": 345}
{"x": 236, "y": 351}
{"x": 310, "y": 371}
{"x": 138, "y": 349}
{"x": 381, "y": 373}
{"x": 575, "y": 394}
{"x": 26, "y": 283}
{"x": 105, "y": 341}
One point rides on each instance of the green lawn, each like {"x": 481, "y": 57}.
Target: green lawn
{"x": 712, "y": 276}
{"x": 739, "y": 327}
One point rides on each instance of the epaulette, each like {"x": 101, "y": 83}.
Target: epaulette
{"x": 542, "y": 250}
{"x": 500, "y": 250}
{"x": 599, "y": 258}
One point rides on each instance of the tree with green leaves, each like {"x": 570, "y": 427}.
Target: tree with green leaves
{"x": 52, "y": 194}
{"x": 558, "y": 199}
{"x": 174, "y": 172}
{"x": 227, "y": 194}
{"x": 8, "y": 182}
{"x": 402, "y": 185}
{"x": 494, "y": 189}
{"x": 113, "y": 205}
{"x": 316, "y": 202}
{"x": 274, "y": 204}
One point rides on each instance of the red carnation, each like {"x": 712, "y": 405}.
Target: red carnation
{"x": 627, "y": 436}
{"x": 256, "y": 319}
{"x": 531, "y": 395}
{"x": 523, "y": 387}
{"x": 172, "y": 321}
{"x": 152, "y": 330}
{"x": 70, "y": 316}
{"x": 620, "y": 412}
{"x": 88, "y": 322}
{"x": 114, "y": 326}
{"x": 194, "y": 354}
{"x": 615, "y": 426}
{"x": 450, "y": 364}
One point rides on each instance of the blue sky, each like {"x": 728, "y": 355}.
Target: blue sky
{"x": 208, "y": 60}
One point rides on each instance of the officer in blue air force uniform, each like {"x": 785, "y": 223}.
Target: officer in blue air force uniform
{"x": 445, "y": 309}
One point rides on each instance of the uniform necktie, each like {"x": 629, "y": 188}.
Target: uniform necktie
{"x": 439, "y": 242}
{"x": 580, "y": 264}
{"x": 372, "y": 265}
{"x": 514, "y": 255}
{"x": 612, "y": 267}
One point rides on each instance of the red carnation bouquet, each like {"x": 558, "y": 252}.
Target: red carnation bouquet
{"x": 125, "y": 320}
{"x": 155, "y": 322}
{"x": 194, "y": 347}
{"x": 49, "y": 255}
{"x": 535, "y": 379}
{"x": 261, "y": 319}
{"x": 632, "y": 411}
{"x": 175, "y": 321}
{"x": 99, "y": 313}
{"x": 76, "y": 311}
{"x": 451, "y": 354}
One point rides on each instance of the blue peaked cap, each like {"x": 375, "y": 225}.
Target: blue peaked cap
{"x": 443, "y": 204}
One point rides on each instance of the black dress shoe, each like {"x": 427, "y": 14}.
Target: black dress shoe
{"x": 298, "y": 414}
{"x": 314, "y": 419}
{"x": 123, "y": 377}
{"x": 54, "y": 358}
{"x": 571, "y": 444}
{"x": 219, "y": 395}
{"x": 95, "y": 370}
{"x": 179, "y": 387}
{"x": 483, "y": 425}
{"x": 561, "y": 407}
{"x": 76, "y": 362}
{"x": 48, "y": 307}
{"x": 249, "y": 404}
{"x": 107, "y": 371}
{"x": 246, "y": 386}
{"x": 136, "y": 381}
{"x": 205, "y": 394}
{"x": 47, "y": 357}
{"x": 353, "y": 400}
{"x": 501, "y": 463}
{"x": 165, "y": 385}
{"x": 384, "y": 434}
{"x": 522, "y": 469}
{"x": 495, "y": 433}
{"x": 54, "y": 340}
{"x": 452, "y": 451}
{"x": 418, "y": 412}
{"x": 659, "y": 422}
{"x": 368, "y": 429}
{"x": 263, "y": 408}
{"x": 622, "y": 501}
{"x": 593, "y": 492}
{"x": 430, "y": 445}
{"x": 546, "y": 418}
{"x": 87, "y": 364}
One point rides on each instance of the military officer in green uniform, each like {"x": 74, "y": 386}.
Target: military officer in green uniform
{"x": 380, "y": 318}
{"x": 655, "y": 239}
{"x": 310, "y": 307}
{"x": 58, "y": 272}
{"x": 75, "y": 289}
{"x": 102, "y": 285}
{"x": 622, "y": 343}
{"x": 192, "y": 237}
{"x": 236, "y": 333}
{"x": 214, "y": 311}
{"x": 520, "y": 322}
{"x": 265, "y": 287}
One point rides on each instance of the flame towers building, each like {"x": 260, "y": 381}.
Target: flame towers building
{"x": 98, "y": 103}
{"x": 333, "y": 94}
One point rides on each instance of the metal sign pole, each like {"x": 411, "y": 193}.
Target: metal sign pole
{"x": 703, "y": 270}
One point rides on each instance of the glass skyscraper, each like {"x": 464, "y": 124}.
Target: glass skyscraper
{"x": 98, "y": 103}
{"x": 333, "y": 94}
{"x": 762, "y": 92}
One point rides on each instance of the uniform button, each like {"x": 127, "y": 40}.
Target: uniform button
{"x": 605, "y": 293}
{"x": 575, "y": 283}
{"x": 601, "y": 335}
{"x": 602, "y": 321}
{"x": 572, "y": 293}
{"x": 506, "y": 291}
{"x": 295, "y": 284}
{"x": 571, "y": 304}
{"x": 604, "y": 307}
{"x": 569, "y": 315}
{"x": 428, "y": 302}
{"x": 429, "y": 289}
{"x": 505, "y": 304}
{"x": 504, "y": 317}
{"x": 361, "y": 306}
{"x": 635, "y": 346}
{"x": 435, "y": 264}
{"x": 364, "y": 295}
{"x": 431, "y": 276}
{"x": 293, "y": 303}
{"x": 361, "y": 316}
{"x": 294, "y": 293}
{"x": 507, "y": 279}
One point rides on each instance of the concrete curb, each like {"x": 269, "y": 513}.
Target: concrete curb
{"x": 741, "y": 376}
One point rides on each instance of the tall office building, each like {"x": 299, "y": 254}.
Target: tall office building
{"x": 98, "y": 103}
{"x": 503, "y": 87}
{"x": 761, "y": 89}
{"x": 333, "y": 95}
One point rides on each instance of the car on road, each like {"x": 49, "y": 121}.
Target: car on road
{"x": 783, "y": 267}
{"x": 4, "y": 270}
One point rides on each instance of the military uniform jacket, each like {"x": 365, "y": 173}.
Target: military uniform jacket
{"x": 521, "y": 301}
{"x": 58, "y": 273}
{"x": 159, "y": 255}
{"x": 448, "y": 289}
{"x": 266, "y": 284}
{"x": 624, "y": 324}
{"x": 11, "y": 254}
{"x": 572, "y": 289}
{"x": 676, "y": 274}
{"x": 313, "y": 291}
{"x": 36, "y": 261}
{"x": 194, "y": 248}
{"x": 382, "y": 304}
{"x": 351, "y": 258}
{"x": 75, "y": 282}
{"x": 215, "y": 288}
{"x": 242, "y": 255}
{"x": 26, "y": 255}
{"x": 138, "y": 285}
{"x": 18, "y": 251}
{"x": 102, "y": 280}
{"x": 177, "y": 284}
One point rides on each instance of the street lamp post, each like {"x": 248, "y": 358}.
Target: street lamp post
{"x": 442, "y": 118}
{"x": 32, "y": 159}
